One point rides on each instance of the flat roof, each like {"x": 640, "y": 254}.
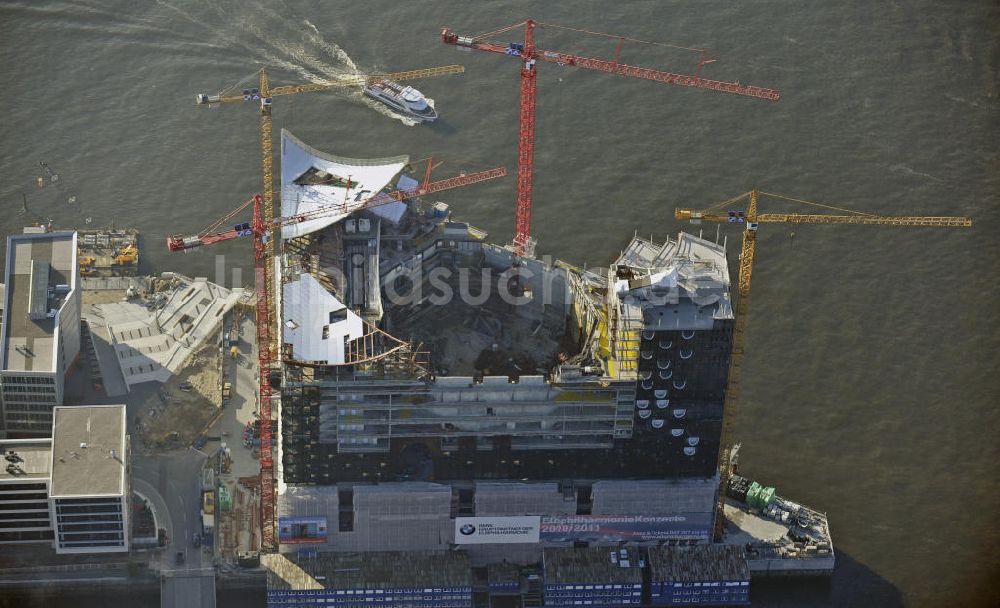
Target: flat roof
{"x": 32, "y": 460}
{"x": 382, "y": 570}
{"x": 88, "y": 450}
{"x": 698, "y": 563}
{"x": 591, "y": 565}
{"x": 27, "y": 344}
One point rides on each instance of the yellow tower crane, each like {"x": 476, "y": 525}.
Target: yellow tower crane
{"x": 264, "y": 95}
{"x": 750, "y": 219}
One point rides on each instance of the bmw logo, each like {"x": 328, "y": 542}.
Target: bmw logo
{"x": 467, "y": 529}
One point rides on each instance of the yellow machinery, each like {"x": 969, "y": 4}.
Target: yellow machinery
{"x": 127, "y": 255}
{"x": 750, "y": 219}
{"x": 87, "y": 265}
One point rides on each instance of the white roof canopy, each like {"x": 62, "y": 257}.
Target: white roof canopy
{"x": 316, "y": 323}
{"x": 331, "y": 176}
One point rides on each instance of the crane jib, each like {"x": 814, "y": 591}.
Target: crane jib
{"x": 685, "y": 80}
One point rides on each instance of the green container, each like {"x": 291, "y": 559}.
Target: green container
{"x": 765, "y": 497}
{"x": 225, "y": 499}
{"x": 753, "y": 495}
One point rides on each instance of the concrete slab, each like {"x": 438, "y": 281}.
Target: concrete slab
{"x": 152, "y": 343}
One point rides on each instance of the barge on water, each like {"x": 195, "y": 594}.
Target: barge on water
{"x": 102, "y": 252}
{"x": 108, "y": 251}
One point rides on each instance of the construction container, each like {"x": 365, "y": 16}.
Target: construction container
{"x": 225, "y": 499}
{"x": 765, "y": 497}
{"x": 753, "y": 493}
{"x": 738, "y": 487}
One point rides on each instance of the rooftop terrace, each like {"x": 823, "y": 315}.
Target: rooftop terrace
{"x": 32, "y": 459}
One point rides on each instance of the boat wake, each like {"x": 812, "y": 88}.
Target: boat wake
{"x": 903, "y": 169}
{"x": 278, "y": 40}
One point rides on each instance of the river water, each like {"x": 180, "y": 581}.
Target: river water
{"x": 870, "y": 381}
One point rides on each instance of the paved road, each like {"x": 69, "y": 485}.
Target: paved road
{"x": 172, "y": 479}
{"x": 175, "y": 477}
{"x": 242, "y": 407}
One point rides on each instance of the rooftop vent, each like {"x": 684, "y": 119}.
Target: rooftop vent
{"x": 39, "y": 295}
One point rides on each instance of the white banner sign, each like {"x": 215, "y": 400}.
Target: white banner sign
{"x": 496, "y": 530}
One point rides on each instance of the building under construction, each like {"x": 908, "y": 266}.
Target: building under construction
{"x": 439, "y": 392}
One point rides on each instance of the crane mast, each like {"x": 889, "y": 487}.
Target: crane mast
{"x": 751, "y": 219}
{"x": 529, "y": 55}
{"x": 264, "y": 254}
{"x": 263, "y": 231}
{"x": 526, "y": 145}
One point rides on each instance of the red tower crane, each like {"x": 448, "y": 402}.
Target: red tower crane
{"x": 528, "y": 55}
{"x": 262, "y": 231}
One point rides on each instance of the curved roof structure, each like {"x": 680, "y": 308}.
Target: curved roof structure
{"x": 312, "y": 180}
{"x": 316, "y": 323}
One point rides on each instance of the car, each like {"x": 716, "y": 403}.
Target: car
{"x": 198, "y": 443}
{"x": 196, "y": 539}
{"x": 179, "y": 558}
{"x": 185, "y": 386}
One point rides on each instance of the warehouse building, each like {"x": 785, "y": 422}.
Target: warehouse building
{"x": 708, "y": 575}
{"x": 598, "y": 575}
{"x": 353, "y": 580}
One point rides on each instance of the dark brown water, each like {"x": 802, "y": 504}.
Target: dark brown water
{"x": 871, "y": 375}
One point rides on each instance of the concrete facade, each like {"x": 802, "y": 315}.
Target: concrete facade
{"x": 72, "y": 490}
{"x": 24, "y": 491}
{"x": 41, "y": 329}
{"x": 89, "y": 489}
